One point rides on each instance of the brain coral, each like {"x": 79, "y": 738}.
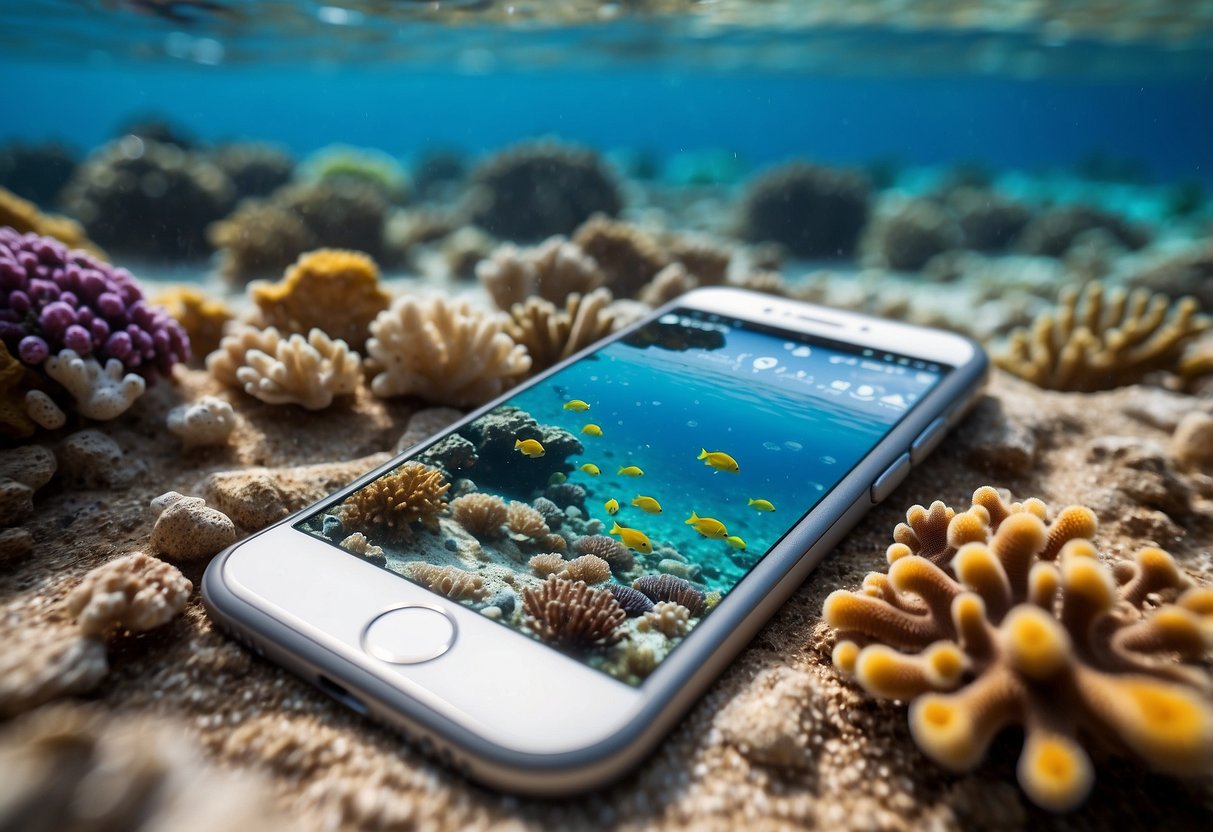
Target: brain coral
{"x": 149, "y": 198}
{"x": 443, "y": 351}
{"x": 1004, "y": 619}
{"x": 570, "y": 614}
{"x": 537, "y": 189}
{"x": 52, "y": 298}
{"x": 389, "y": 506}
{"x": 814, "y": 211}
{"x": 1095, "y": 344}
{"x": 335, "y": 291}
{"x": 552, "y": 271}
{"x": 551, "y": 334}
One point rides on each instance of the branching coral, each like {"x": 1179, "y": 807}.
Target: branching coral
{"x": 389, "y": 506}
{"x": 308, "y": 372}
{"x": 335, "y": 291}
{"x": 1093, "y": 343}
{"x": 483, "y": 515}
{"x": 572, "y": 615}
{"x": 671, "y": 588}
{"x": 628, "y": 255}
{"x": 134, "y": 593}
{"x": 552, "y": 271}
{"x": 202, "y": 316}
{"x": 456, "y": 584}
{"x": 813, "y": 211}
{"x": 101, "y": 393}
{"x": 551, "y": 334}
{"x": 443, "y": 351}
{"x": 1006, "y": 620}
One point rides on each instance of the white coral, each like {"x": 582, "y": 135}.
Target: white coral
{"x": 305, "y": 371}
{"x": 443, "y": 351}
{"x": 43, "y": 410}
{"x": 100, "y": 393}
{"x": 208, "y": 421}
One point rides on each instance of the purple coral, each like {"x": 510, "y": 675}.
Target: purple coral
{"x": 53, "y": 298}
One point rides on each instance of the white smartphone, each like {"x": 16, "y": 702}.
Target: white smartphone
{"x": 707, "y": 458}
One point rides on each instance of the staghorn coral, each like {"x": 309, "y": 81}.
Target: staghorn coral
{"x": 633, "y": 601}
{"x": 389, "y": 506}
{"x": 609, "y": 549}
{"x": 201, "y": 316}
{"x": 1022, "y": 623}
{"x": 206, "y": 422}
{"x": 261, "y": 238}
{"x": 572, "y": 615}
{"x": 101, "y": 393}
{"x": 525, "y": 522}
{"x": 547, "y": 564}
{"x": 628, "y": 255}
{"x": 813, "y": 211}
{"x": 668, "y": 618}
{"x": 53, "y": 299}
{"x": 1093, "y": 343}
{"x": 456, "y": 584}
{"x": 536, "y": 189}
{"x": 551, "y": 271}
{"x": 24, "y": 217}
{"x": 443, "y": 351}
{"x": 550, "y": 334}
{"x": 483, "y": 515}
{"x": 187, "y": 529}
{"x": 905, "y": 234}
{"x": 308, "y": 372}
{"x": 335, "y": 291}
{"x": 37, "y": 666}
{"x": 134, "y": 593}
{"x": 588, "y": 568}
{"x": 671, "y": 588}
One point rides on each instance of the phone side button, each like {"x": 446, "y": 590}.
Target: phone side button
{"x": 891, "y": 478}
{"x": 409, "y": 635}
{"x": 928, "y": 440}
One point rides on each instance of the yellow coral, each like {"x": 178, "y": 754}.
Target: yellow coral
{"x": 15, "y": 422}
{"x": 332, "y": 290}
{"x": 481, "y": 514}
{"x": 23, "y": 216}
{"x": 1098, "y": 343}
{"x": 202, "y": 316}
{"x": 1022, "y": 623}
{"x": 389, "y": 506}
{"x": 550, "y": 334}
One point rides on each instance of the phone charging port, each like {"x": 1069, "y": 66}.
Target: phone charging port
{"x": 342, "y": 695}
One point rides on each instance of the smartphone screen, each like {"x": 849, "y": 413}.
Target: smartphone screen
{"x": 674, "y": 458}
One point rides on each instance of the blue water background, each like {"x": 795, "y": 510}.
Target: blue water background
{"x": 1165, "y": 124}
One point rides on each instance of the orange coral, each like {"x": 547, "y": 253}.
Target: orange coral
{"x": 23, "y": 216}
{"x": 333, "y": 290}
{"x": 391, "y": 504}
{"x": 15, "y": 422}
{"x": 481, "y": 514}
{"x": 202, "y": 316}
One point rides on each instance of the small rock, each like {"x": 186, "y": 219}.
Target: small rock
{"x": 206, "y": 422}
{"x": 15, "y": 544}
{"x": 998, "y": 439}
{"x": 1141, "y": 469}
{"x": 1159, "y": 408}
{"x": 38, "y": 667}
{"x": 767, "y": 722}
{"x": 425, "y": 423}
{"x": 43, "y": 410}
{"x": 93, "y": 460}
{"x": 16, "y": 502}
{"x": 31, "y": 465}
{"x": 189, "y": 529}
{"x": 1192, "y": 442}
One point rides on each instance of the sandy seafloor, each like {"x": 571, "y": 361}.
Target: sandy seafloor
{"x": 781, "y": 740}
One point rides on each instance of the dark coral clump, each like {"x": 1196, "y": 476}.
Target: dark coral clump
{"x": 628, "y": 255}
{"x": 566, "y": 494}
{"x": 538, "y": 189}
{"x": 987, "y": 221}
{"x": 37, "y": 172}
{"x": 633, "y": 601}
{"x": 256, "y": 169}
{"x": 906, "y": 236}
{"x": 813, "y": 211}
{"x": 552, "y": 514}
{"x": 609, "y": 549}
{"x": 53, "y": 298}
{"x": 672, "y": 588}
{"x": 573, "y": 615}
{"x": 1053, "y": 232}
{"x": 148, "y": 198}
{"x": 501, "y": 468}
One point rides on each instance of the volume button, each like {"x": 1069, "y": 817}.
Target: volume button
{"x": 890, "y": 479}
{"x": 928, "y": 440}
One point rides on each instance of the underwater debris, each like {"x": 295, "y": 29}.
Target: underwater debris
{"x": 25, "y": 218}
{"x": 588, "y": 568}
{"x": 451, "y": 581}
{"x": 905, "y": 233}
{"x": 609, "y": 549}
{"x": 547, "y": 564}
{"x": 668, "y": 618}
{"x": 133, "y": 593}
{"x": 359, "y": 545}
{"x": 55, "y": 299}
{"x": 481, "y": 514}
{"x": 308, "y": 372}
{"x": 534, "y": 190}
{"x": 987, "y": 220}
{"x": 443, "y": 351}
{"x": 1052, "y": 232}
{"x": 391, "y": 505}
{"x": 1025, "y": 624}
{"x": 365, "y": 166}
{"x": 143, "y": 197}
{"x": 633, "y": 601}
{"x": 525, "y": 522}
{"x": 188, "y": 529}
{"x": 550, "y": 334}
{"x": 552, "y": 271}
{"x": 1095, "y": 344}
{"x": 204, "y": 423}
{"x": 255, "y": 168}
{"x": 335, "y": 291}
{"x": 100, "y": 393}
{"x": 202, "y": 317}
{"x": 628, "y": 256}
{"x": 90, "y": 459}
{"x": 671, "y": 588}
{"x": 260, "y": 239}
{"x": 812, "y": 210}
{"x": 37, "y": 666}
{"x": 573, "y": 615}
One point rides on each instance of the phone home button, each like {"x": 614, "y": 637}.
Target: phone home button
{"x": 409, "y": 635}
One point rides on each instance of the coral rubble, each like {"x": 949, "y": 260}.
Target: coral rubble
{"x": 134, "y": 593}
{"x": 206, "y": 422}
{"x": 989, "y": 617}
{"x": 37, "y": 666}
{"x": 187, "y": 529}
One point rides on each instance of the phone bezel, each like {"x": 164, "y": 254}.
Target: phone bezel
{"x": 272, "y": 614}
